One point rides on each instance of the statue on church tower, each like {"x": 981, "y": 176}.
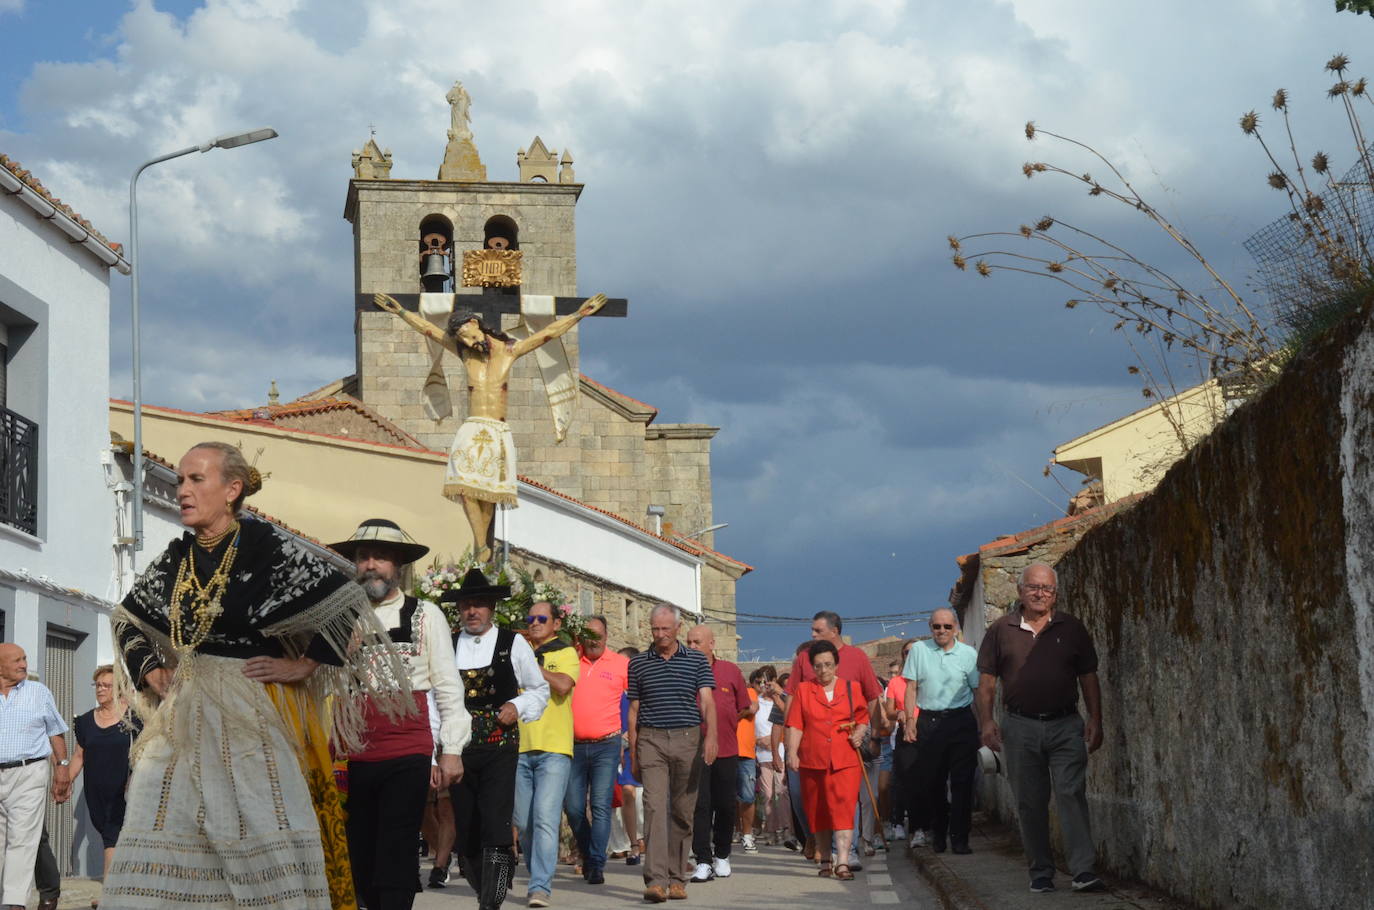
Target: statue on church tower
{"x": 461, "y": 161}
{"x": 481, "y": 470}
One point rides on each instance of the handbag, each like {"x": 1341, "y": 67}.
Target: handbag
{"x": 872, "y": 747}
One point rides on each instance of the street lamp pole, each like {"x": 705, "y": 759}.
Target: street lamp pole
{"x": 230, "y": 141}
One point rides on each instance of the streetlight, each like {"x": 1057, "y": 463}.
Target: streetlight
{"x": 708, "y": 530}
{"x": 231, "y": 141}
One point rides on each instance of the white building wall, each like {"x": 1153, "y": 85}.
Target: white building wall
{"x": 54, "y": 297}
{"x": 559, "y": 529}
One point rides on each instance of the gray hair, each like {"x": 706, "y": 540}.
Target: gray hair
{"x": 1021, "y": 579}
{"x": 235, "y": 467}
{"x": 952, "y": 615}
{"x": 664, "y": 608}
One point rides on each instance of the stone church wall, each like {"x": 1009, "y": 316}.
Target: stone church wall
{"x": 1233, "y": 610}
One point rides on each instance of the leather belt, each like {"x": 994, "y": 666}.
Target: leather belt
{"x": 1047, "y": 715}
{"x": 947, "y": 712}
{"x": 598, "y": 739}
{"x": 5, "y": 766}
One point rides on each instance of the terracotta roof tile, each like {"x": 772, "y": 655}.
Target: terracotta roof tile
{"x": 27, "y": 178}
{"x": 1024, "y": 540}
{"x": 301, "y": 407}
{"x": 694, "y": 549}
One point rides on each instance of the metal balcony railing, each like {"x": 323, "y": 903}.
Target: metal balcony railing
{"x": 18, "y": 471}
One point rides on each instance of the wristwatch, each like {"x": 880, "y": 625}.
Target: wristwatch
{"x": 64, "y": 762}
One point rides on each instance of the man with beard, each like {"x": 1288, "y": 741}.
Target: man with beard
{"x": 494, "y": 666}
{"x": 390, "y": 778}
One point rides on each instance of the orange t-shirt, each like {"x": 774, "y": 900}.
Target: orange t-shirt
{"x": 596, "y": 697}
{"x": 747, "y": 738}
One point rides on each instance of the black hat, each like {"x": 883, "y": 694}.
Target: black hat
{"x": 380, "y": 532}
{"x": 475, "y": 586}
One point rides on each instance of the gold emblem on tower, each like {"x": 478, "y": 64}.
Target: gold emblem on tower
{"x": 491, "y": 268}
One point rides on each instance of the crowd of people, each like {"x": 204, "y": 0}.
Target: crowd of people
{"x": 248, "y": 665}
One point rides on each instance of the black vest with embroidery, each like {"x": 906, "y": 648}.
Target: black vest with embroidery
{"x": 486, "y": 689}
{"x": 405, "y": 632}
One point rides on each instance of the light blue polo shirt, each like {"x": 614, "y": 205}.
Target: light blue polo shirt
{"x": 944, "y": 679}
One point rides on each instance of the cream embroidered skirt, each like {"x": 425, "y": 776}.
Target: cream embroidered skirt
{"x": 219, "y": 812}
{"x": 481, "y": 463}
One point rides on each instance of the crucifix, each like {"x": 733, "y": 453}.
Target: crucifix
{"x": 481, "y": 472}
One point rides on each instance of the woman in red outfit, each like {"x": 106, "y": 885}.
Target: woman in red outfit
{"x": 826, "y": 724}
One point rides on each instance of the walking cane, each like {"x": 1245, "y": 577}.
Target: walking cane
{"x": 863, "y": 769}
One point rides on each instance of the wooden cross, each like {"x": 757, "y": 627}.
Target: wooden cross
{"x": 493, "y": 303}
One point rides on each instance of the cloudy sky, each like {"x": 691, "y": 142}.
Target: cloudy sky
{"x": 770, "y": 183}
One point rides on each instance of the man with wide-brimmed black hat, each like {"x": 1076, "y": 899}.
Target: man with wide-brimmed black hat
{"x": 389, "y": 779}
{"x": 502, "y": 686}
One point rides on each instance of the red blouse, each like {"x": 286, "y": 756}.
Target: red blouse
{"x": 825, "y": 747}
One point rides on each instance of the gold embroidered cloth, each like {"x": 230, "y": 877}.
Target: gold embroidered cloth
{"x": 225, "y": 818}
{"x": 481, "y": 462}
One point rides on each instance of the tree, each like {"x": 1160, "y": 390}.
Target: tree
{"x": 1356, "y": 6}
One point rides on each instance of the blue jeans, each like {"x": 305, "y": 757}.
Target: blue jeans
{"x": 592, "y": 780}
{"x": 541, "y": 781}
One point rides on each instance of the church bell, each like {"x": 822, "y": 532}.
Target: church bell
{"x": 434, "y": 271}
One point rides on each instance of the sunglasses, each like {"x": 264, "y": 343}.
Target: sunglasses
{"x": 539, "y": 619}
{"x": 942, "y": 625}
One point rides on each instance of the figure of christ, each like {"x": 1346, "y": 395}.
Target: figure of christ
{"x": 481, "y": 462}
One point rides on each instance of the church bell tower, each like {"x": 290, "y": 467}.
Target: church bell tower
{"x": 409, "y": 236}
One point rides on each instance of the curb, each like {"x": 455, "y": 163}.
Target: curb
{"x": 949, "y": 887}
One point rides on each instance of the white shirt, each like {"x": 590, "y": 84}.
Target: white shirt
{"x": 763, "y": 728}
{"x": 28, "y": 718}
{"x": 478, "y": 650}
{"x": 431, "y": 671}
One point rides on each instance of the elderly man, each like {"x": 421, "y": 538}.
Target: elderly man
{"x": 390, "y": 778}
{"x": 942, "y": 675}
{"x": 670, "y": 699}
{"x": 1043, "y": 658}
{"x": 546, "y": 746}
{"x": 495, "y": 665}
{"x": 30, "y": 738}
{"x": 603, "y": 679}
{"x": 713, "y": 822}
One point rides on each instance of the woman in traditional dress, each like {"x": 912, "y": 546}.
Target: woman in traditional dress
{"x": 826, "y": 724}
{"x": 102, "y": 750}
{"x": 232, "y": 643}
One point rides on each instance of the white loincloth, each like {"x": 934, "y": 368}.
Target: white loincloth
{"x": 481, "y": 462}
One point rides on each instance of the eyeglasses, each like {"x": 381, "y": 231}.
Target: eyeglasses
{"x": 538, "y": 619}
{"x": 942, "y": 625}
{"x": 1038, "y": 589}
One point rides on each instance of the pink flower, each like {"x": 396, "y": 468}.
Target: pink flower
{"x": 566, "y": 609}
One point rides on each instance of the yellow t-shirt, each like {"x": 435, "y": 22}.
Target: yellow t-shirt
{"x": 553, "y": 731}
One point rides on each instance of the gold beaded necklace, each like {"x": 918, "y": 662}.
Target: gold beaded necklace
{"x": 209, "y": 543}
{"x": 205, "y": 599}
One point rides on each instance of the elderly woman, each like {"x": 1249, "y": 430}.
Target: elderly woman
{"x": 231, "y": 643}
{"x": 826, "y": 723}
{"x": 102, "y": 749}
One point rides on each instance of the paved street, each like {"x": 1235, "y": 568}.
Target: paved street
{"x": 771, "y": 878}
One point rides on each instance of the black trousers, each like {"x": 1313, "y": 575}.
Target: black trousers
{"x": 46, "y": 878}
{"x": 713, "y": 824}
{"x": 948, "y": 753}
{"x": 386, "y": 804}
{"x": 484, "y": 800}
{"x": 912, "y": 804}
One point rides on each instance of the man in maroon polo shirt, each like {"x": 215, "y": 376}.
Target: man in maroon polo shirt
{"x": 1043, "y": 657}
{"x": 716, "y": 802}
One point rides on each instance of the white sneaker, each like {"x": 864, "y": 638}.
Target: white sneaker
{"x": 918, "y": 839}
{"x": 749, "y": 845}
{"x": 703, "y": 873}
{"x": 721, "y": 867}
{"x": 898, "y": 832}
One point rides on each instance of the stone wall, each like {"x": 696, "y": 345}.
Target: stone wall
{"x": 1233, "y": 609}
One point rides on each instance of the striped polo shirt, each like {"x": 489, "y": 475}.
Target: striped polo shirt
{"x": 667, "y": 689}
